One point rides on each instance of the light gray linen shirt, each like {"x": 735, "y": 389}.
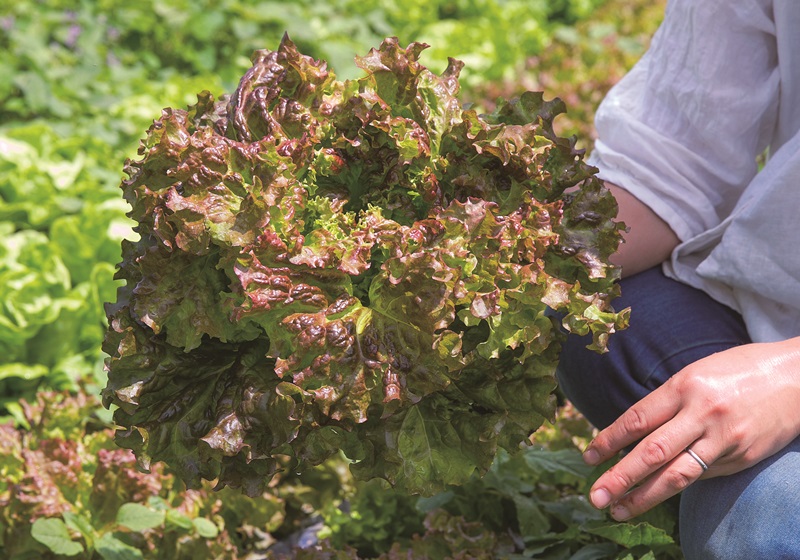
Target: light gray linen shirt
{"x": 682, "y": 131}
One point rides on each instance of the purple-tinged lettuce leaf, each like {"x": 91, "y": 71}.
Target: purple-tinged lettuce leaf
{"x": 363, "y": 266}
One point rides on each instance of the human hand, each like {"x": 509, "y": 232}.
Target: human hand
{"x": 732, "y": 409}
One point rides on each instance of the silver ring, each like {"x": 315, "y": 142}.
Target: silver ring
{"x": 698, "y": 459}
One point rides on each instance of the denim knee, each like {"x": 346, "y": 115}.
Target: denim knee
{"x": 751, "y": 515}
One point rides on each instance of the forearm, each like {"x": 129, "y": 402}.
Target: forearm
{"x": 648, "y": 241}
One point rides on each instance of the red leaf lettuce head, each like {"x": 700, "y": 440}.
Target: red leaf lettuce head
{"x": 363, "y": 266}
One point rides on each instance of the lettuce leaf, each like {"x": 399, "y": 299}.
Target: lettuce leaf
{"x": 362, "y": 266}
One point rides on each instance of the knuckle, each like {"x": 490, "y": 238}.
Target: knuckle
{"x": 697, "y": 388}
{"x": 717, "y": 406}
{"x": 690, "y": 386}
{"x": 692, "y": 383}
{"x": 634, "y": 421}
{"x": 677, "y": 479}
{"x": 737, "y": 436}
{"x": 621, "y": 478}
{"x": 751, "y": 457}
{"x": 656, "y": 453}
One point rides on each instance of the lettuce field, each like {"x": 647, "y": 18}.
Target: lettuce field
{"x": 164, "y": 228}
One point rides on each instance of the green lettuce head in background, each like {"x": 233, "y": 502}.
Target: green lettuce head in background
{"x": 61, "y": 234}
{"x": 362, "y": 266}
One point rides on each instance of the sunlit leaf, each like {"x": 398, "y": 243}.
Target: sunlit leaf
{"x": 53, "y": 533}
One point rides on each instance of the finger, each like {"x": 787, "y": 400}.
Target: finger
{"x": 649, "y": 456}
{"x": 638, "y": 421}
{"x": 672, "y": 479}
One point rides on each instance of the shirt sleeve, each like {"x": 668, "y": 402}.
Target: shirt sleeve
{"x": 683, "y": 129}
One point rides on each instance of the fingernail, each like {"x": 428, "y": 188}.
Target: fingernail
{"x": 591, "y": 456}
{"x": 620, "y": 513}
{"x": 600, "y": 498}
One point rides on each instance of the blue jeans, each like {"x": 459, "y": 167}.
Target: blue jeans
{"x": 751, "y": 515}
